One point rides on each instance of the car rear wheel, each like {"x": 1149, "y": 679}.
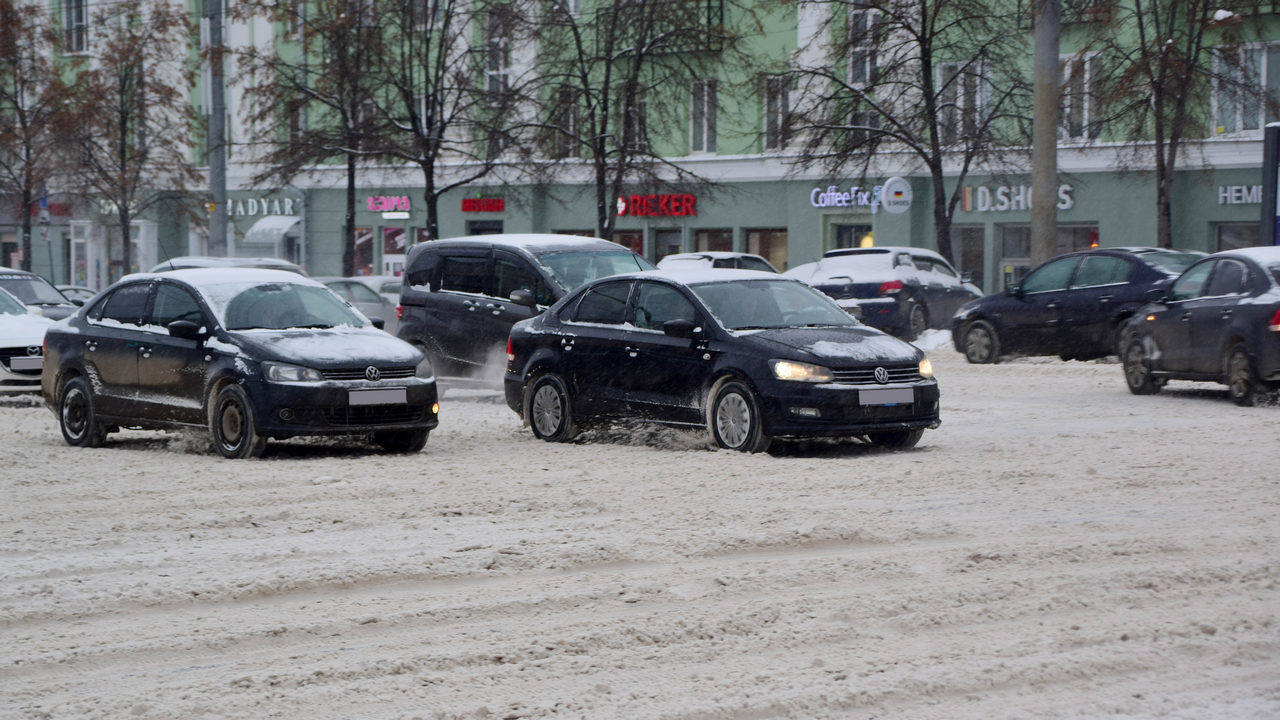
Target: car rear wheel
{"x": 896, "y": 439}
{"x": 917, "y": 322}
{"x": 735, "y": 419}
{"x": 1137, "y": 370}
{"x": 76, "y": 417}
{"x": 981, "y": 345}
{"x": 402, "y": 441}
{"x": 235, "y": 432}
{"x": 550, "y": 409}
{"x": 1242, "y": 382}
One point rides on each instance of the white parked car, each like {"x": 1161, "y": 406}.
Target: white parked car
{"x": 21, "y": 346}
{"x": 715, "y": 259}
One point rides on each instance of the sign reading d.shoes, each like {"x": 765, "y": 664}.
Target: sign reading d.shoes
{"x": 895, "y": 195}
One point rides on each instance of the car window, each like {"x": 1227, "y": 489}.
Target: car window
{"x": 391, "y": 287}
{"x": 463, "y": 274}
{"x": 174, "y": 303}
{"x": 359, "y": 292}
{"x": 573, "y": 268}
{"x": 509, "y": 276}
{"x": 1051, "y": 276}
{"x": 943, "y": 269}
{"x": 32, "y": 289}
{"x": 127, "y": 304}
{"x": 751, "y": 304}
{"x": 9, "y": 305}
{"x": 277, "y": 306}
{"x": 1191, "y": 282}
{"x": 1172, "y": 262}
{"x": 606, "y": 303}
{"x": 751, "y": 263}
{"x": 1229, "y": 278}
{"x": 1098, "y": 270}
{"x": 656, "y": 304}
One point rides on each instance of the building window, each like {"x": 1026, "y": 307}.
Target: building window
{"x": 702, "y": 137}
{"x": 296, "y": 121}
{"x": 1240, "y": 86}
{"x": 568, "y": 7}
{"x": 565, "y": 120}
{"x": 427, "y": 13}
{"x": 497, "y": 53}
{"x": 297, "y": 20}
{"x": 75, "y": 21}
{"x": 961, "y": 95}
{"x": 777, "y": 111}
{"x": 1081, "y": 82}
{"x": 1233, "y": 236}
{"x": 863, "y": 39}
{"x": 718, "y": 240}
{"x": 770, "y": 244}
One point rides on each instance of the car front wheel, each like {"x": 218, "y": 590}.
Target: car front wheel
{"x": 896, "y": 439}
{"x": 1137, "y": 370}
{"x": 735, "y": 419}
{"x": 232, "y": 424}
{"x": 981, "y": 345}
{"x": 1242, "y": 382}
{"x": 76, "y": 416}
{"x": 550, "y": 410}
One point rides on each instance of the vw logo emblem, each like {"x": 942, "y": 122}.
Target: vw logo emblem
{"x": 372, "y": 374}
{"x": 33, "y": 351}
{"x": 882, "y": 375}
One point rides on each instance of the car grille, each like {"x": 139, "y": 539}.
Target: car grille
{"x": 867, "y": 376}
{"x": 373, "y": 414}
{"x": 9, "y": 353}
{"x": 391, "y": 373}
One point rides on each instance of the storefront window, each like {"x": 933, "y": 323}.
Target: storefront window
{"x": 713, "y": 240}
{"x": 1235, "y": 236}
{"x": 969, "y": 250}
{"x": 850, "y": 236}
{"x": 667, "y": 242}
{"x": 393, "y": 250}
{"x": 771, "y": 244}
{"x": 363, "y": 261}
{"x": 633, "y": 239}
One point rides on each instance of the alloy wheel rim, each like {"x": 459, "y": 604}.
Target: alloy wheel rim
{"x": 1136, "y": 366}
{"x": 73, "y": 412}
{"x": 733, "y": 419}
{"x": 232, "y": 425}
{"x": 1238, "y": 375}
{"x": 979, "y": 345}
{"x": 547, "y": 412}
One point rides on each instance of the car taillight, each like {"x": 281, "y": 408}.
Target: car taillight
{"x": 399, "y": 312}
{"x": 511, "y": 356}
{"x": 891, "y": 287}
{"x": 1274, "y": 325}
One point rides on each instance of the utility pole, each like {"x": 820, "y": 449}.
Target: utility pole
{"x": 217, "y": 150}
{"x": 1044, "y": 133}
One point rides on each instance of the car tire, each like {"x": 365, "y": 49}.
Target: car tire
{"x": 896, "y": 439}
{"x": 76, "y": 416}
{"x": 917, "y": 322}
{"x": 234, "y": 429}
{"x": 1242, "y": 382}
{"x": 402, "y": 441}
{"x": 981, "y": 345}
{"x": 550, "y": 409}
{"x": 1136, "y": 361}
{"x": 734, "y": 419}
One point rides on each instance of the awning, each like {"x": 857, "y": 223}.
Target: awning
{"x": 269, "y": 229}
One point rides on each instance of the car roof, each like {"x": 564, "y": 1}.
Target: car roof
{"x": 709, "y": 255}
{"x": 524, "y": 241}
{"x": 209, "y": 261}
{"x": 880, "y": 250}
{"x": 201, "y": 276}
{"x": 695, "y": 275}
{"x": 1266, "y": 255}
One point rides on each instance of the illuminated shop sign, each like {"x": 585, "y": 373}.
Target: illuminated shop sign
{"x": 387, "y": 203}
{"x": 894, "y": 196}
{"x": 1239, "y": 194}
{"x": 1008, "y": 198}
{"x": 671, "y": 205}
{"x": 495, "y": 204}
{"x": 253, "y": 207}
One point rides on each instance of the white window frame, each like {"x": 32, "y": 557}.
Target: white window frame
{"x": 75, "y": 23}
{"x": 702, "y": 116}
{"x": 968, "y": 101}
{"x": 1244, "y": 110}
{"x": 567, "y": 123}
{"x": 1080, "y": 95}
{"x": 863, "y": 28}
{"x": 635, "y": 123}
{"x": 777, "y": 111}
{"x": 497, "y": 53}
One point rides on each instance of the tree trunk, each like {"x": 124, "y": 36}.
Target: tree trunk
{"x": 349, "y": 223}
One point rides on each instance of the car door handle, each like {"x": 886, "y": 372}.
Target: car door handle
{"x": 1106, "y": 299}
{"x": 1226, "y": 313}
{"x": 471, "y": 305}
{"x": 495, "y": 308}
{"x": 90, "y": 345}
{"x": 1051, "y": 305}
{"x": 632, "y": 351}
{"x": 1185, "y": 317}
{"x": 567, "y": 342}
{"x": 144, "y": 352}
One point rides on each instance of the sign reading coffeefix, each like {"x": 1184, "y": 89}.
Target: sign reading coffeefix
{"x": 672, "y": 205}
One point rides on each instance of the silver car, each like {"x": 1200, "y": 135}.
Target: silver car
{"x": 373, "y": 304}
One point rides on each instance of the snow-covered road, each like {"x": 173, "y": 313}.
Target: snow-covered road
{"x": 1057, "y": 549}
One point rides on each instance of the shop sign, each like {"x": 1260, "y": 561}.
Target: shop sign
{"x": 1008, "y": 198}
{"x": 670, "y": 205}
{"x": 1239, "y": 194}
{"x": 894, "y": 196}
{"x": 492, "y": 204}
{"x": 253, "y": 207}
{"x": 387, "y": 203}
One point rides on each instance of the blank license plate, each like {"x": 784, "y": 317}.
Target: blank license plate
{"x": 382, "y": 396}
{"x": 887, "y": 396}
{"x": 26, "y": 363}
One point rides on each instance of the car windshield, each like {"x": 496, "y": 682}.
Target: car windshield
{"x": 1275, "y": 272}
{"x": 279, "y": 306}
{"x": 32, "y": 290}
{"x": 9, "y": 305}
{"x": 1172, "y": 262}
{"x": 863, "y": 265}
{"x": 760, "y": 304}
{"x": 572, "y": 268}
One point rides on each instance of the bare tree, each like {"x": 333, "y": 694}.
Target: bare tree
{"x": 32, "y": 100}
{"x": 311, "y": 96}
{"x": 936, "y": 81}
{"x": 615, "y": 73}
{"x": 1164, "y": 61}
{"x": 133, "y": 114}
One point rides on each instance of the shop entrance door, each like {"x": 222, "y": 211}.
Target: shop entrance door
{"x": 852, "y": 236}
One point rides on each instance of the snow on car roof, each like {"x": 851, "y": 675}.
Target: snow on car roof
{"x": 1265, "y": 255}
{"x": 530, "y": 241}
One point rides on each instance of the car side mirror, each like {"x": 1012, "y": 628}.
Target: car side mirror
{"x": 523, "y": 297}
{"x": 78, "y": 302}
{"x": 683, "y": 329}
{"x": 966, "y": 277}
{"x": 1156, "y": 295}
{"x": 1013, "y": 289}
{"x": 378, "y": 323}
{"x": 187, "y": 330}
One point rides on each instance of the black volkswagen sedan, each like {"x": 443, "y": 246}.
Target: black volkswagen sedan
{"x": 748, "y": 355}
{"x": 1071, "y": 306}
{"x": 1218, "y": 322}
{"x": 248, "y": 354}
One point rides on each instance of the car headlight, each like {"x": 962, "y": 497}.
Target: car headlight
{"x": 926, "y": 368}
{"x": 425, "y": 371}
{"x": 283, "y": 372}
{"x": 799, "y": 371}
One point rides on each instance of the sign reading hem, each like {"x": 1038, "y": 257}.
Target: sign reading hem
{"x": 894, "y": 196}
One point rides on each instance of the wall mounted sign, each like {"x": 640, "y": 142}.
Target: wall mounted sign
{"x": 252, "y": 207}
{"x": 894, "y": 196}
{"x": 1008, "y": 198}
{"x": 491, "y": 204}
{"x": 1239, "y": 194}
{"x": 387, "y": 203}
{"x": 670, "y": 205}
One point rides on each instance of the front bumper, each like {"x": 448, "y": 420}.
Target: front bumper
{"x": 290, "y": 409}
{"x": 19, "y": 372}
{"x": 835, "y": 410}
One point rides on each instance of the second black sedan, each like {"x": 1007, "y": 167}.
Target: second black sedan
{"x": 748, "y": 355}
{"x": 1218, "y": 322}
{"x": 248, "y": 354}
{"x": 1071, "y": 306}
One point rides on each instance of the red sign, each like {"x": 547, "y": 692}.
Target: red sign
{"x": 483, "y": 204}
{"x": 675, "y": 205}
{"x": 386, "y": 203}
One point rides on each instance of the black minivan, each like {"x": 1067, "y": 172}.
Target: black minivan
{"x": 457, "y": 304}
